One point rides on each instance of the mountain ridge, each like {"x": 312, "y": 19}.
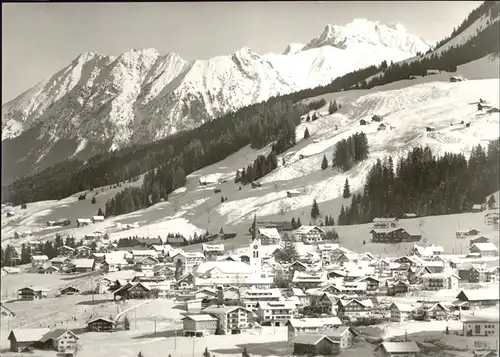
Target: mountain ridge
{"x": 142, "y": 95}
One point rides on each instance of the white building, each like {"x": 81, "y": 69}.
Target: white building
{"x": 481, "y": 323}
{"x": 439, "y": 281}
{"x": 252, "y": 297}
{"x": 269, "y": 236}
{"x": 400, "y": 312}
{"x": 309, "y": 234}
{"x": 275, "y": 313}
{"x": 189, "y": 260}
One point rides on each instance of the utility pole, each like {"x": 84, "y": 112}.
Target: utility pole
{"x": 175, "y": 339}
{"x": 135, "y": 317}
{"x": 155, "y": 326}
{"x": 193, "y": 347}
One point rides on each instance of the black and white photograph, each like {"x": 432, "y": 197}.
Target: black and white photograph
{"x": 250, "y": 179}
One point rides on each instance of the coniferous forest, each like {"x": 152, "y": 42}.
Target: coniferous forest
{"x": 426, "y": 185}
{"x": 257, "y": 125}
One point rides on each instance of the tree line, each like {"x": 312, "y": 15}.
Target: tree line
{"x": 424, "y": 184}
{"x": 11, "y": 256}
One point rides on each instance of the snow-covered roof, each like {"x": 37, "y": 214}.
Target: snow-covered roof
{"x": 477, "y": 206}
{"x": 311, "y": 339}
{"x": 39, "y": 257}
{"x": 83, "y": 263}
{"x": 365, "y": 302}
{"x": 299, "y": 276}
{"x": 485, "y": 247}
{"x": 400, "y": 347}
{"x": 403, "y": 307}
{"x": 270, "y": 233}
{"x": 481, "y": 294}
{"x": 212, "y": 247}
{"x": 276, "y": 305}
{"x": 307, "y": 229}
{"x": 222, "y": 309}
{"x": 311, "y": 322}
{"x": 57, "y": 334}
{"x": 327, "y": 246}
{"x": 267, "y": 293}
{"x": 161, "y": 248}
{"x": 29, "y": 334}
{"x": 479, "y": 316}
{"x": 225, "y": 266}
{"x": 98, "y": 218}
{"x": 379, "y": 219}
{"x": 150, "y": 252}
{"x": 202, "y": 317}
{"x": 443, "y": 275}
{"x": 84, "y": 220}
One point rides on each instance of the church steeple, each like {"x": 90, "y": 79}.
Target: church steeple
{"x": 254, "y": 228}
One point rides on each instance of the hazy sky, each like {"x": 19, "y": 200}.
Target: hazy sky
{"x": 40, "y": 38}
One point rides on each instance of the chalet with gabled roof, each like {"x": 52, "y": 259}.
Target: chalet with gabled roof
{"x": 133, "y": 291}
{"x": 69, "y": 290}
{"x": 354, "y": 308}
{"x": 101, "y": 324}
{"x": 485, "y": 249}
{"x": 65, "y": 251}
{"x": 477, "y": 298}
{"x": 23, "y": 339}
{"x": 310, "y": 325}
{"x": 465, "y": 233}
{"x": 309, "y": 234}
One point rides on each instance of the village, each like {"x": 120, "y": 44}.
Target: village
{"x": 294, "y": 284}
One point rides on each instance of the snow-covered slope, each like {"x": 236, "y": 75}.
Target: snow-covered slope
{"x": 409, "y": 110}
{"x": 105, "y": 102}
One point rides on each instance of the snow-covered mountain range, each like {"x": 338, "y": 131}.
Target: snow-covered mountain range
{"x": 101, "y": 102}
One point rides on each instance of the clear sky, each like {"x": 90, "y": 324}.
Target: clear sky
{"x": 38, "y": 39}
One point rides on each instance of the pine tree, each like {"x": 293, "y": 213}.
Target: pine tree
{"x": 289, "y": 252}
{"x": 93, "y": 200}
{"x": 245, "y": 353}
{"x": 299, "y": 224}
{"x": 315, "y": 210}
{"x": 491, "y": 202}
{"x": 347, "y": 192}
{"x": 324, "y": 163}
{"x": 306, "y": 134}
{"x": 221, "y": 232}
{"x": 294, "y": 224}
{"x": 333, "y": 107}
{"x": 100, "y": 212}
{"x": 126, "y": 323}
{"x": 332, "y": 221}
{"x": 178, "y": 269}
{"x": 206, "y": 353}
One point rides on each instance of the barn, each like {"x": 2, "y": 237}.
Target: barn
{"x": 314, "y": 345}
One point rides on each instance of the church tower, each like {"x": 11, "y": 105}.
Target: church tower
{"x": 255, "y": 249}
